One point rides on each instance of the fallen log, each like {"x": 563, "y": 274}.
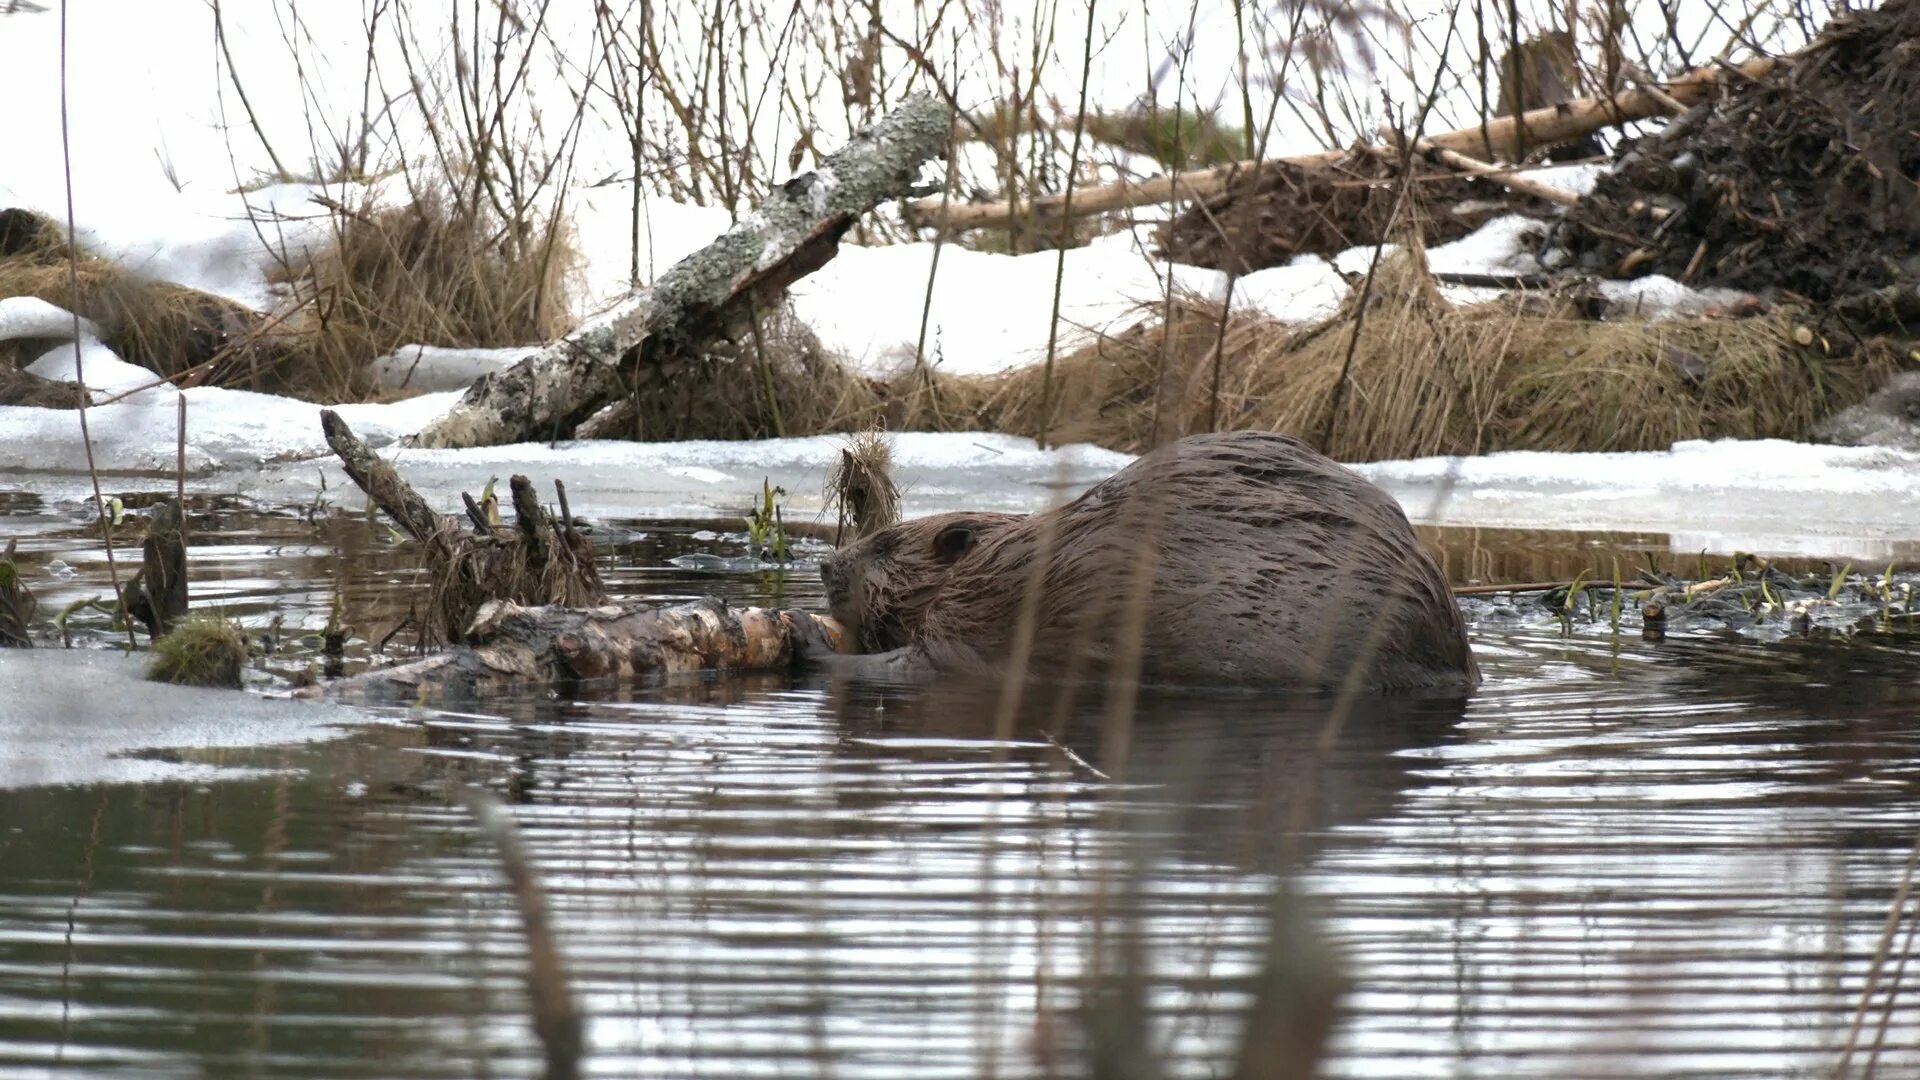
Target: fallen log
{"x": 1502, "y": 138}
{"x": 509, "y": 645}
{"x": 711, "y": 294}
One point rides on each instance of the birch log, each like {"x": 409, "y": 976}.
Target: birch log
{"x": 710, "y": 294}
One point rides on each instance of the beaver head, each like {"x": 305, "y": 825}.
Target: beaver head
{"x": 879, "y": 587}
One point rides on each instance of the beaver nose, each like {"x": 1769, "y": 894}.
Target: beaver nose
{"x": 830, "y": 573}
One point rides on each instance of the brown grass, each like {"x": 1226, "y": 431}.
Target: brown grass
{"x": 167, "y": 328}
{"x": 1431, "y": 378}
{"x": 723, "y": 395}
{"x": 429, "y": 273}
{"x": 425, "y": 273}
{"x": 204, "y": 650}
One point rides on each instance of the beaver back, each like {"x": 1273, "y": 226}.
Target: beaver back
{"x": 1238, "y": 559}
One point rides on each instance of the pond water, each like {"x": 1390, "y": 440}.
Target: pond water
{"x": 1618, "y": 857}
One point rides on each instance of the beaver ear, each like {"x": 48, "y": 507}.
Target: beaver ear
{"x": 952, "y": 542}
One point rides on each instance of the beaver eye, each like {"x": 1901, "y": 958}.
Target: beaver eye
{"x": 952, "y": 542}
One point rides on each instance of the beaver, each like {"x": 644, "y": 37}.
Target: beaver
{"x": 1258, "y": 562}
{"x": 879, "y": 587}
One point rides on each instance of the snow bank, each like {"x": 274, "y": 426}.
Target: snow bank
{"x": 225, "y": 429}
{"x": 102, "y": 371}
{"x": 990, "y": 312}
{"x": 1768, "y": 496}
{"x": 32, "y": 317}
{"x": 433, "y": 367}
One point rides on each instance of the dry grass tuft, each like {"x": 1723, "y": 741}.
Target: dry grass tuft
{"x": 429, "y": 272}
{"x": 1428, "y": 377}
{"x": 860, "y": 486}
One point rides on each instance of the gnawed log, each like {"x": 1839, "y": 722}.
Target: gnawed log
{"x": 1502, "y": 138}
{"x": 509, "y": 645}
{"x": 711, "y": 294}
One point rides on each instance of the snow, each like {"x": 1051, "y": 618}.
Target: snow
{"x": 433, "y": 367}
{"x": 32, "y": 317}
{"x": 104, "y": 373}
{"x": 1767, "y": 496}
{"x": 990, "y": 312}
{"x": 1656, "y": 295}
{"x": 225, "y": 429}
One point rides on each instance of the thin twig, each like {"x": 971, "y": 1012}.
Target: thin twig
{"x": 1066, "y": 233}
{"x": 79, "y": 370}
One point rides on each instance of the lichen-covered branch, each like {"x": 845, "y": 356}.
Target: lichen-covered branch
{"x": 707, "y": 295}
{"x": 510, "y": 645}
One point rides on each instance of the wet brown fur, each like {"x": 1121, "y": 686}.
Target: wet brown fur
{"x": 1271, "y": 566}
{"x": 879, "y": 587}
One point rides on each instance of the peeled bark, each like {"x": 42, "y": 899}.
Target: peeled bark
{"x": 510, "y": 645}
{"x": 711, "y": 294}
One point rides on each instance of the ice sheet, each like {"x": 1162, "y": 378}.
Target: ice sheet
{"x": 1766, "y": 496}
{"x": 83, "y": 716}
{"x": 234, "y": 429}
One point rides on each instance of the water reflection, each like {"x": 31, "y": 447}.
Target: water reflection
{"x": 1614, "y": 859}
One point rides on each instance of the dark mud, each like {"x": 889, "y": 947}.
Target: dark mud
{"x": 1799, "y": 183}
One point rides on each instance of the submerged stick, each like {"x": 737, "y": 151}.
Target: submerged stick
{"x": 555, "y": 1018}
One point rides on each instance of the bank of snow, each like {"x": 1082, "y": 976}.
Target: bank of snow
{"x": 226, "y": 429}
{"x": 1771, "y": 497}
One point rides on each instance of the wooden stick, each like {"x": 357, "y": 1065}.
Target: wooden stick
{"x": 1461, "y": 163}
{"x": 1498, "y": 138}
